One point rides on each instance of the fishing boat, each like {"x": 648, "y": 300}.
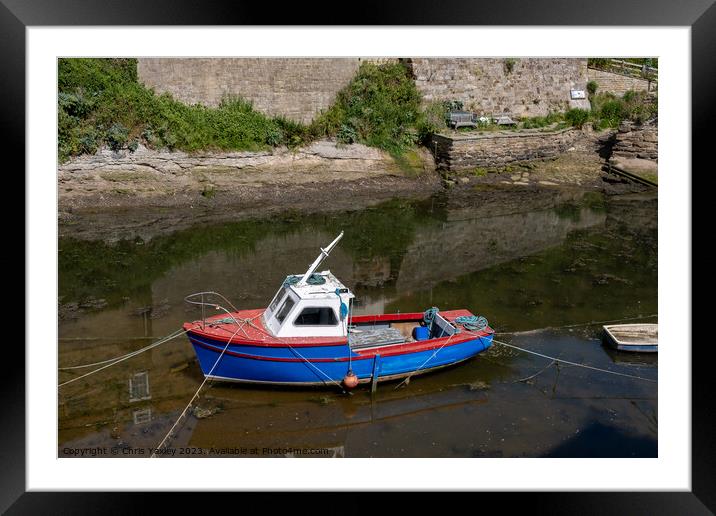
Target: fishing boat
{"x": 308, "y": 335}
{"x": 633, "y": 337}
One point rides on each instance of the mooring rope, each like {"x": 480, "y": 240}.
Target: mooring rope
{"x": 122, "y": 358}
{"x": 407, "y": 378}
{"x": 169, "y": 337}
{"x": 558, "y": 360}
{"x": 314, "y": 366}
{"x": 590, "y": 323}
{"x": 206, "y": 377}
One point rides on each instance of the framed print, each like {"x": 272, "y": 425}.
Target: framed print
{"x": 482, "y": 184}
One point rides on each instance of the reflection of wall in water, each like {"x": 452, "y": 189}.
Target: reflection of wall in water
{"x": 251, "y": 279}
{"x": 467, "y": 243}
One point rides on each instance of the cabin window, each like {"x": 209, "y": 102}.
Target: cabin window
{"x": 276, "y": 300}
{"x": 316, "y": 316}
{"x": 285, "y": 309}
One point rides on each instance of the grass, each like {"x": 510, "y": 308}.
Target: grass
{"x": 101, "y": 103}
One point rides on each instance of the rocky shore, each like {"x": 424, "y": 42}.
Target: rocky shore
{"x": 155, "y": 178}
{"x": 119, "y": 195}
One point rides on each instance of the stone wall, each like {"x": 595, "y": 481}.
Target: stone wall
{"x": 300, "y": 88}
{"x": 499, "y": 149}
{"x": 522, "y": 87}
{"x": 637, "y": 141}
{"x": 617, "y": 83}
{"x": 294, "y": 88}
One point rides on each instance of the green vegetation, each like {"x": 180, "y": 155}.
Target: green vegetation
{"x": 380, "y": 108}
{"x": 608, "y": 110}
{"x": 577, "y": 117}
{"x": 542, "y": 121}
{"x": 100, "y": 102}
{"x": 592, "y": 87}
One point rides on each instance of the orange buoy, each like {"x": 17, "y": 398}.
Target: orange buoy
{"x": 350, "y": 380}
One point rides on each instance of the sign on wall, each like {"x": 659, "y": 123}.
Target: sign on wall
{"x": 578, "y": 94}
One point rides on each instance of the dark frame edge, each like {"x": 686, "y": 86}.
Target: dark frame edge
{"x": 700, "y": 500}
{"x": 703, "y": 105}
{"x": 12, "y": 109}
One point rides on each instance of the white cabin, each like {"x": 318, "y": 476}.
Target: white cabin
{"x": 302, "y": 309}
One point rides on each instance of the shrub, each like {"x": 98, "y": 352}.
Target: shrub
{"x": 577, "y": 117}
{"x": 454, "y": 105}
{"x": 76, "y": 104}
{"x": 380, "y": 106}
{"x": 117, "y": 136}
{"x": 608, "y": 110}
{"x": 433, "y": 119}
{"x": 592, "y": 87}
{"x": 542, "y": 121}
{"x": 346, "y": 134}
{"x": 89, "y": 142}
{"x": 94, "y": 75}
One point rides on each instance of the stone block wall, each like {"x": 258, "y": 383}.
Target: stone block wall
{"x": 637, "y": 141}
{"x": 523, "y": 87}
{"x": 300, "y": 88}
{"x": 617, "y": 83}
{"x": 296, "y": 88}
{"x": 501, "y": 149}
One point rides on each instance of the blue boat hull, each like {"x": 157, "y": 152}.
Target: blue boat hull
{"x": 638, "y": 348}
{"x": 320, "y": 365}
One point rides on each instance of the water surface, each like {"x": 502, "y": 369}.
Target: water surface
{"x": 540, "y": 265}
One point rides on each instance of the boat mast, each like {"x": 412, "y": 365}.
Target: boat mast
{"x": 317, "y": 262}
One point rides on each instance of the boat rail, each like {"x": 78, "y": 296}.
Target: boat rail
{"x": 191, "y": 299}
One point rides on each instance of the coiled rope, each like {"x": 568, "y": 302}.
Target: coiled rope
{"x": 472, "y": 322}
{"x": 313, "y": 279}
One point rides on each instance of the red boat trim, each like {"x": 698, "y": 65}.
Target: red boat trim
{"x": 396, "y": 350}
{"x": 304, "y": 342}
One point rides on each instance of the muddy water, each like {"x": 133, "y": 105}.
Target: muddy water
{"x": 551, "y": 261}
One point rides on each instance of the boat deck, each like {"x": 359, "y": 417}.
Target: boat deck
{"x": 633, "y": 337}
{"x": 251, "y": 329}
{"x": 374, "y": 337}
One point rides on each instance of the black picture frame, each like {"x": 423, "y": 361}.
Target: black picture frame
{"x": 700, "y": 15}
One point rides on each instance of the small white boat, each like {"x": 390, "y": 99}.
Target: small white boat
{"x": 633, "y": 337}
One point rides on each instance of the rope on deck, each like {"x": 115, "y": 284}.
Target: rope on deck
{"x": 559, "y": 360}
